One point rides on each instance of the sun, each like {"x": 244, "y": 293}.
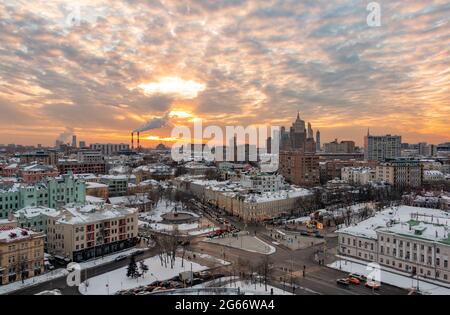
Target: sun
{"x": 180, "y": 114}
{"x": 185, "y": 89}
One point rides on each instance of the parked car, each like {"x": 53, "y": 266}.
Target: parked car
{"x": 373, "y": 285}
{"x": 343, "y": 282}
{"x": 121, "y": 257}
{"x": 354, "y": 280}
{"x": 358, "y": 276}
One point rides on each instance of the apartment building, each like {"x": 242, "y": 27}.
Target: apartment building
{"x": 110, "y": 148}
{"x": 381, "y": 148}
{"x": 117, "y": 184}
{"x": 52, "y": 193}
{"x": 358, "y": 175}
{"x": 34, "y": 173}
{"x": 239, "y": 201}
{"x": 299, "y": 168}
{"x": 262, "y": 182}
{"x": 79, "y": 233}
{"x": 401, "y": 172}
{"x": 90, "y": 156}
{"x": 76, "y": 167}
{"x": 21, "y": 254}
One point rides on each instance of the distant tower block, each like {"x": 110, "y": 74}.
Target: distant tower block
{"x": 74, "y": 141}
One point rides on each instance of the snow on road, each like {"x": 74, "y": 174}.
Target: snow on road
{"x": 116, "y": 280}
{"x": 256, "y": 288}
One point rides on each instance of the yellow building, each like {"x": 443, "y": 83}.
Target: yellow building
{"x": 97, "y": 190}
{"x": 21, "y": 254}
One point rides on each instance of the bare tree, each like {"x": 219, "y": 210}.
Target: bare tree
{"x": 265, "y": 269}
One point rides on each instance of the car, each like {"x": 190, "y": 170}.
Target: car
{"x": 373, "y": 285}
{"x": 343, "y": 282}
{"x": 120, "y": 258}
{"x": 354, "y": 280}
{"x": 358, "y": 276}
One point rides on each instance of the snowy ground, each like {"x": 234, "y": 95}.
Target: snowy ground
{"x": 162, "y": 208}
{"x": 116, "y": 280}
{"x": 391, "y": 277}
{"x": 246, "y": 287}
{"x": 160, "y": 227}
{"x": 202, "y": 231}
{"x": 214, "y": 259}
{"x": 256, "y": 288}
{"x": 62, "y": 272}
{"x": 245, "y": 242}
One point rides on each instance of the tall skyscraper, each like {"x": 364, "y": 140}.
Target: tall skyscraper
{"x": 318, "y": 146}
{"x": 299, "y": 163}
{"x": 382, "y": 148}
{"x": 74, "y": 141}
{"x": 297, "y": 134}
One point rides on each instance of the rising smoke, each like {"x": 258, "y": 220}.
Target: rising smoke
{"x": 155, "y": 123}
{"x": 65, "y": 136}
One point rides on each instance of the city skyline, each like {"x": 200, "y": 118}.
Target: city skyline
{"x": 103, "y": 69}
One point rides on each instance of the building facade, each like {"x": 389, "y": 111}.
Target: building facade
{"x": 21, "y": 255}
{"x": 401, "y": 172}
{"x": 382, "y": 148}
{"x": 300, "y": 168}
{"x": 82, "y": 233}
{"x": 110, "y": 148}
{"x": 414, "y": 241}
{"x": 51, "y": 193}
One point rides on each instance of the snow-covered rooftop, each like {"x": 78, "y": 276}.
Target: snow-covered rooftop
{"x": 90, "y": 213}
{"x": 15, "y": 235}
{"x": 31, "y": 212}
{"x": 93, "y": 185}
{"x": 433, "y": 223}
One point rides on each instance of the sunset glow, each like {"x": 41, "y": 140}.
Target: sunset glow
{"x": 185, "y": 89}
{"x": 227, "y": 63}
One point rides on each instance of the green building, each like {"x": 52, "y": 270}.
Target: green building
{"x": 52, "y": 193}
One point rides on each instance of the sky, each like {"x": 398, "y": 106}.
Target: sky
{"x": 103, "y": 68}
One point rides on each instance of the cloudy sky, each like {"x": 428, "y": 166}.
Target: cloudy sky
{"x": 103, "y": 68}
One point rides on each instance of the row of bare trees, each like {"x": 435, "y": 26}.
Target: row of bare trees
{"x": 167, "y": 246}
{"x": 256, "y": 270}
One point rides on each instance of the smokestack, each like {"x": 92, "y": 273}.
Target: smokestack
{"x": 139, "y": 141}
{"x": 132, "y": 140}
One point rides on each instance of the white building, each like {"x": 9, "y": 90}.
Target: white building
{"x": 90, "y": 156}
{"x": 410, "y": 239}
{"x": 358, "y": 175}
{"x": 109, "y": 148}
{"x": 432, "y": 176}
{"x": 262, "y": 182}
{"x": 380, "y": 148}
